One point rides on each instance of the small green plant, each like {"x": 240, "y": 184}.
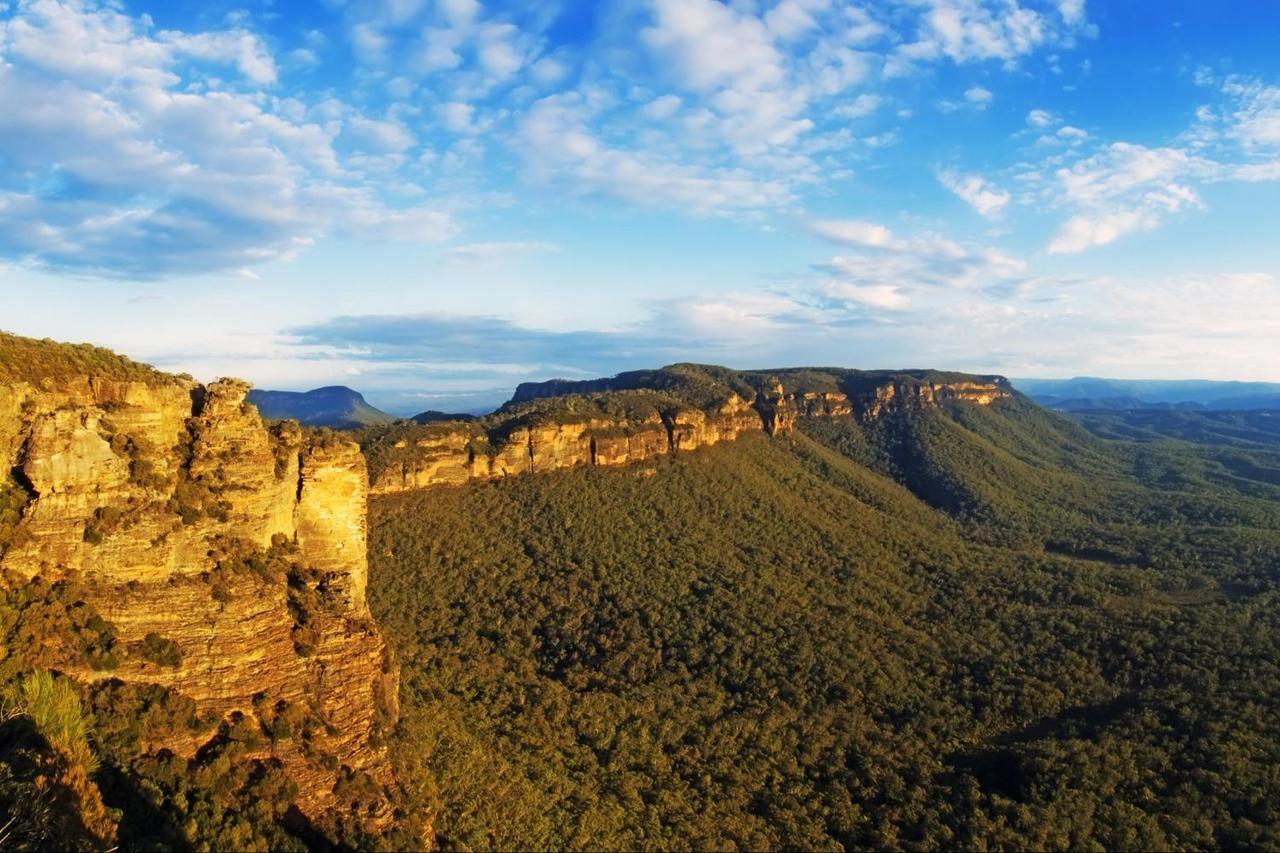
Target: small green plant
{"x": 160, "y": 650}
{"x": 54, "y": 708}
{"x": 105, "y": 520}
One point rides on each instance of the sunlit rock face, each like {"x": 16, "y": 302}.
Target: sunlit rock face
{"x": 567, "y": 427}
{"x": 141, "y": 488}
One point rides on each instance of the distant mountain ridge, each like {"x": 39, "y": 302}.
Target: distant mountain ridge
{"x": 645, "y": 414}
{"x": 335, "y": 406}
{"x": 1087, "y": 392}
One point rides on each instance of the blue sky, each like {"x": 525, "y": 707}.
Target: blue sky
{"x": 432, "y": 200}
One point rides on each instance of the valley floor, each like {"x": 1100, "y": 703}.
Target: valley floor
{"x": 975, "y": 628}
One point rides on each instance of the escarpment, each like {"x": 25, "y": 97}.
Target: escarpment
{"x": 226, "y": 559}
{"x": 644, "y": 414}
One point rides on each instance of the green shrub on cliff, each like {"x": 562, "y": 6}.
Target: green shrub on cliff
{"x": 53, "y": 706}
{"x": 13, "y": 497}
{"x": 48, "y": 800}
{"x": 44, "y": 625}
{"x": 159, "y": 650}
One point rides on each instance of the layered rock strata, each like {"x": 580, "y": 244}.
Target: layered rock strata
{"x": 148, "y": 491}
{"x": 513, "y": 442}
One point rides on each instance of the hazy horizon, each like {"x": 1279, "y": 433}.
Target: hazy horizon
{"x": 486, "y": 402}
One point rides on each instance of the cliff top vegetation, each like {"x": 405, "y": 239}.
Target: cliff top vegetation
{"x": 31, "y": 360}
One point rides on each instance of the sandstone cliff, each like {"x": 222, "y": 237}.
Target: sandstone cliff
{"x": 193, "y": 527}
{"x": 643, "y": 414}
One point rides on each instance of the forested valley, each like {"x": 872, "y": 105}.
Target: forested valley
{"x": 962, "y": 627}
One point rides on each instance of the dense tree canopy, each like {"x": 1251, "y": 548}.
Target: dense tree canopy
{"x": 981, "y": 628}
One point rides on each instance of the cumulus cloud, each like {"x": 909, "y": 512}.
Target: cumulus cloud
{"x": 1072, "y": 11}
{"x": 1085, "y": 231}
{"x": 980, "y": 194}
{"x": 1040, "y": 118}
{"x": 976, "y": 31}
{"x": 458, "y": 117}
{"x": 860, "y": 107}
{"x": 855, "y": 232}
{"x": 1257, "y": 172}
{"x": 1255, "y": 113}
{"x": 754, "y": 96}
{"x": 884, "y": 296}
{"x": 559, "y": 143}
{"x": 1126, "y": 188}
{"x": 978, "y": 96}
{"x": 116, "y": 161}
{"x": 1120, "y": 188}
{"x": 731, "y": 58}
{"x": 242, "y": 49}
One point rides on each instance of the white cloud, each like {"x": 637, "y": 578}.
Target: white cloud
{"x": 791, "y": 19}
{"x": 558, "y": 143}
{"x": 1126, "y": 188}
{"x": 1040, "y": 118}
{"x": 457, "y": 117}
{"x": 472, "y": 253}
{"x": 742, "y": 100}
{"x": 242, "y": 49}
{"x": 459, "y": 12}
{"x": 730, "y": 59}
{"x": 498, "y": 51}
{"x": 439, "y": 50}
{"x": 975, "y": 98}
{"x": 112, "y": 163}
{"x": 381, "y": 136}
{"x": 1255, "y": 115}
{"x": 1258, "y": 172}
{"x": 978, "y": 96}
{"x": 661, "y": 108}
{"x": 1085, "y": 231}
{"x": 1072, "y": 11}
{"x": 1122, "y": 169}
{"x": 712, "y": 46}
{"x": 891, "y": 272}
{"x": 369, "y": 43}
{"x": 860, "y": 107}
{"x": 856, "y": 233}
{"x": 885, "y": 296}
{"x": 973, "y": 30}
{"x": 979, "y": 193}
{"x": 548, "y": 71}
{"x": 730, "y": 317}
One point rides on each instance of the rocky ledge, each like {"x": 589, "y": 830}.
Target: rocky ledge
{"x": 236, "y": 550}
{"x": 644, "y": 414}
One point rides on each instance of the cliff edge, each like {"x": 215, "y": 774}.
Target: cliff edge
{"x": 223, "y": 561}
{"x": 643, "y": 414}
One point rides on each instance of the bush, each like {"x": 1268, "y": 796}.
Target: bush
{"x": 106, "y": 519}
{"x": 54, "y": 707}
{"x": 159, "y": 650}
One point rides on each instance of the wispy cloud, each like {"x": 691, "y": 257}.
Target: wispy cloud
{"x": 476, "y": 253}
{"x": 979, "y": 193}
{"x": 889, "y": 271}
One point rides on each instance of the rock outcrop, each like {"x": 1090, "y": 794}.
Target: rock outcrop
{"x": 186, "y": 518}
{"x": 644, "y": 414}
